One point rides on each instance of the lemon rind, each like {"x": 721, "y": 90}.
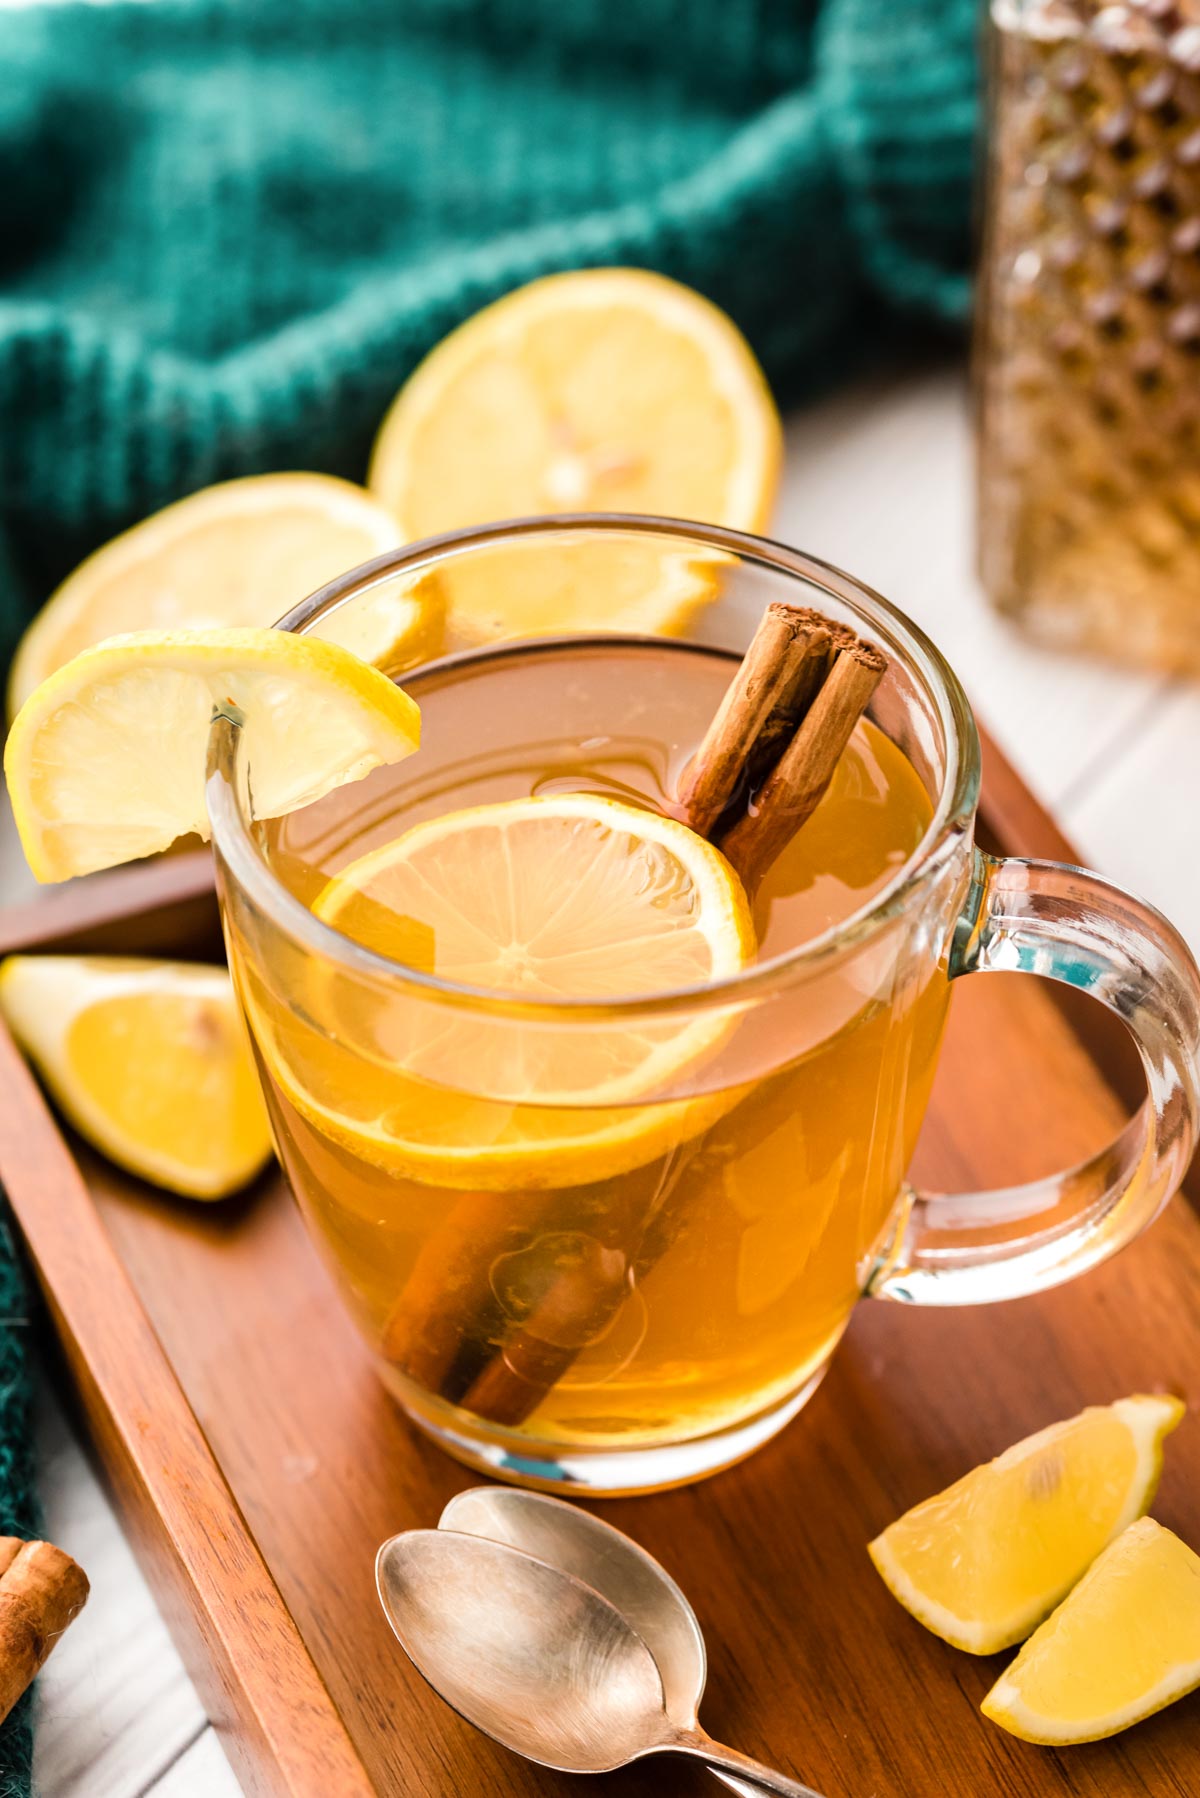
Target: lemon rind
{"x": 1004, "y": 1706}
{"x": 561, "y": 1161}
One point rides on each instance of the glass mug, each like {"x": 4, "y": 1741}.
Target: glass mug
{"x": 613, "y": 1297}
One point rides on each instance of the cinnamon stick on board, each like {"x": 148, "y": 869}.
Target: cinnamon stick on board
{"x": 771, "y": 750}
{"x": 41, "y": 1591}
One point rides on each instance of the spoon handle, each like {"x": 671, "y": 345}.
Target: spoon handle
{"x": 749, "y": 1772}
{"x": 736, "y": 1782}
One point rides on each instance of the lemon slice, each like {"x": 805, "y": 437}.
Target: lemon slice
{"x": 1124, "y": 1644}
{"x": 574, "y": 896}
{"x": 607, "y": 390}
{"x": 984, "y": 1561}
{"x": 106, "y": 760}
{"x": 236, "y": 555}
{"x": 150, "y": 1062}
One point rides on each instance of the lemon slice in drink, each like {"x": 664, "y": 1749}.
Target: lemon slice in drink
{"x": 150, "y": 1062}
{"x": 984, "y": 1561}
{"x": 106, "y": 760}
{"x": 236, "y": 555}
{"x": 605, "y": 390}
{"x": 576, "y": 896}
{"x": 1122, "y": 1646}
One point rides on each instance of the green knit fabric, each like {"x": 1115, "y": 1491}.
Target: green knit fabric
{"x": 18, "y": 1508}
{"x": 230, "y": 228}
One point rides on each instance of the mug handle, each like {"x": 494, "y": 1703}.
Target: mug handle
{"x": 1065, "y": 924}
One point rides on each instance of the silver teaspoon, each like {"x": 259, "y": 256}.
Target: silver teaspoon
{"x": 536, "y": 1659}
{"x": 616, "y": 1567}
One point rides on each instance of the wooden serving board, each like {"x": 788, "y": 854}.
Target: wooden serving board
{"x": 258, "y": 1463}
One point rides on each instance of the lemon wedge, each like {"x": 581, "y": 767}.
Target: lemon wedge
{"x": 576, "y": 896}
{"x": 106, "y": 760}
{"x": 984, "y": 1561}
{"x": 1124, "y": 1644}
{"x": 150, "y": 1062}
{"x": 605, "y": 390}
{"x": 236, "y": 555}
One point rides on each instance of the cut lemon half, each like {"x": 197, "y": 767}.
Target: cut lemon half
{"x": 106, "y": 760}
{"x": 236, "y": 555}
{"x": 150, "y": 1062}
{"x": 984, "y": 1561}
{"x": 606, "y": 390}
{"x": 1122, "y": 1646}
{"x": 569, "y": 897}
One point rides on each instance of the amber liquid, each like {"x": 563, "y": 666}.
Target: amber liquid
{"x": 702, "y": 1272}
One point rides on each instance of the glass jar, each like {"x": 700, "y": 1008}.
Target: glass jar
{"x": 1088, "y": 334}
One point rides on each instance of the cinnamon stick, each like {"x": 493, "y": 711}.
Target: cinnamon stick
{"x": 580, "y": 1304}
{"x": 778, "y": 675}
{"x": 41, "y": 1591}
{"x": 439, "y": 1322}
{"x": 784, "y": 720}
{"x": 795, "y": 786}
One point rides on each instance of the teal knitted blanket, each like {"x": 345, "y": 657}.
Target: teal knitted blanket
{"x": 230, "y": 228}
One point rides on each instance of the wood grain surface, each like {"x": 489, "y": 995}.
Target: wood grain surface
{"x": 171, "y": 898}
{"x": 259, "y": 1463}
{"x": 242, "y": 1648}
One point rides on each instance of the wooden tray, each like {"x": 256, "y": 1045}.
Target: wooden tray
{"x": 258, "y": 1463}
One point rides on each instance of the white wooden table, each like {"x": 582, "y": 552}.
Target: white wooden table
{"x": 878, "y": 480}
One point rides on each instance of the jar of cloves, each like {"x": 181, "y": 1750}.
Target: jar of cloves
{"x": 1088, "y": 326}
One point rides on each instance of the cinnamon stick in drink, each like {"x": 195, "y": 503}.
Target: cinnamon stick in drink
{"x": 438, "y": 1323}
{"x": 794, "y": 788}
{"x": 785, "y": 719}
{"x": 42, "y": 1590}
{"x": 779, "y": 673}
{"x": 583, "y": 1300}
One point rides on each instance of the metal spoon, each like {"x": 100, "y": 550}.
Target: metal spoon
{"x": 616, "y": 1567}
{"x": 536, "y": 1659}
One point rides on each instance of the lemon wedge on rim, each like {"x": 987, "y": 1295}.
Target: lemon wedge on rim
{"x": 602, "y": 390}
{"x": 106, "y": 759}
{"x": 150, "y": 1062}
{"x": 983, "y": 1562}
{"x": 237, "y": 555}
{"x": 1122, "y": 1646}
{"x": 577, "y": 896}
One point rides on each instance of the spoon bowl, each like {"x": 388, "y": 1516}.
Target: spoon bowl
{"x": 611, "y": 1563}
{"x": 525, "y": 1652}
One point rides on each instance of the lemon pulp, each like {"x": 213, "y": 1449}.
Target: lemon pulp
{"x": 150, "y": 1062}
{"x": 1124, "y": 1644}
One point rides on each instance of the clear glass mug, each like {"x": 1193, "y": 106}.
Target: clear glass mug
{"x": 619, "y": 1297}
